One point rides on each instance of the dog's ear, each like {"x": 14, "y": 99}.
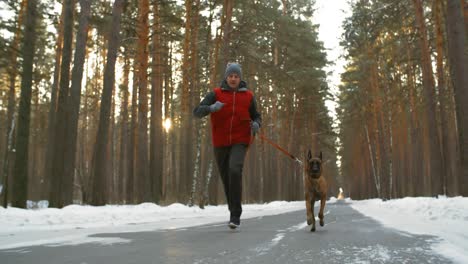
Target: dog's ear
{"x": 309, "y": 155}
{"x": 320, "y": 155}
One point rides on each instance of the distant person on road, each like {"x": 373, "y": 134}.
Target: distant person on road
{"x": 234, "y": 121}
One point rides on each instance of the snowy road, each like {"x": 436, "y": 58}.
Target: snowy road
{"x": 348, "y": 237}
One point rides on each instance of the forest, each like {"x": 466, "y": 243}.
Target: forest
{"x": 96, "y": 99}
{"x": 404, "y": 99}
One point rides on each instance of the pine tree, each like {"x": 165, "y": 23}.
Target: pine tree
{"x": 99, "y": 195}
{"x": 20, "y": 173}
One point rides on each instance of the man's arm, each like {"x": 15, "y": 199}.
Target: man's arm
{"x": 254, "y": 114}
{"x": 203, "y": 109}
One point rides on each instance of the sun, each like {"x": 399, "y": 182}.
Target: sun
{"x": 167, "y": 124}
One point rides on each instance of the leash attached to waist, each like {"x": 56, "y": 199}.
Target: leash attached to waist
{"x": 280, "y": 148}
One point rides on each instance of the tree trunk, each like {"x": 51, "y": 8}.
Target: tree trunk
{"x": 374, "y": 131}
{"x": 20, "y": 173}
{"x": 74, "y": 102}
{"x": 133, "y": 138}
{"x": 205, "y": 157}
{"x": 99, "y": 169}
{"x": 12, "y": 72}
{"x": 168, "y": 113}
{"x": 435, "y": 159}
{"x": 464, "y": 7}
{"x": 213, "y": 182}
{"x": 57, "y": 187}
{"x": 195, "y": 128}
{"x": 156, "y": 136}
{"x": 143, "y": 183}
{"x": 124, "y": 131}
{"x": 185, "y": 132}
{"x": 172, "y": 141}
{"x": 34, "y": 184}
{"x": 226, "y": 23}
{"x": 458, "y": 61}
{"x": 53, "y": 107}
{"x": 375, "y": 175}
{"x": 111, "y": 154}
{"x": 443, "y": 93}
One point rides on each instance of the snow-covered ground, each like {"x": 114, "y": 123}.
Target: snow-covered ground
{"x": 445, "y": 218}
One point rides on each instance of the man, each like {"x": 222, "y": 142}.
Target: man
{"x": 234, "y": 120}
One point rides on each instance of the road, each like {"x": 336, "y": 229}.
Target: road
{"x": 347, "y": 237}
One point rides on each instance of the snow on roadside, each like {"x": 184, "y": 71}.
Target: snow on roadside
{"x": 75, "y": 224}
{"x": 445, "y": 218}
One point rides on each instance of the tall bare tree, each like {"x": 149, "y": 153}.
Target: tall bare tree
{"x": 49, "y": 151}
{"x": 13, "y": 73}
{"x": 205, "y": 148}
{"x": 74, "y": 100}
{"x": 227, "y": 31}
{"x": 156, "y": 132}
{"x": 142, "y": 177}
{"x": 20, "y": 173}
{"x": 58, "y": 158}
{"x": 212, "y": 180}
{"x": 133, "y": 138}
{"x": 124, "y": 131}
{"x": 443, "y": 93}
{"x": 99, "y": 167}
{"x": 458, "y": 59}
{"x": 185, "y": 133}
{"x": 435, "y": 158}
{"x": 194, "y": 95}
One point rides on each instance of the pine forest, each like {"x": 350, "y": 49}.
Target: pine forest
{"x": 97, "y": 99}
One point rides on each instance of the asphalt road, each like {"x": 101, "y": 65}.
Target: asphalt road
{"x": 347, "y": 237}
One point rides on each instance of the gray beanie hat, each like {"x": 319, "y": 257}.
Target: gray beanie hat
{"x": 233, "y": 68}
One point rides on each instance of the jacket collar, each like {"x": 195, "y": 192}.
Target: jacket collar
{"x": 242, "y": 86}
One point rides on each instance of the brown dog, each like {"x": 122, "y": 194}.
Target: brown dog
{"x": 315, "y": 188}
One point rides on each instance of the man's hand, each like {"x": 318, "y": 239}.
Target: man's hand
{"x": 255, "y": 127}
{"x": 216, "y": 106}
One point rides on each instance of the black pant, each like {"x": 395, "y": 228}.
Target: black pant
{"x": 230, "y": 162}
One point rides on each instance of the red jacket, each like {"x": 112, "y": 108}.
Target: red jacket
{"x": 231, "y": 124}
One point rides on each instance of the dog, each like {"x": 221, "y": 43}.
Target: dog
{"x": 315, "y": 188}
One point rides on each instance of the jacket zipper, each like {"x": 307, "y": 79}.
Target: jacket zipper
{"x": 232, "y": 118}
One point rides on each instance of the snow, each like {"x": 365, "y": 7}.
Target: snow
{"x": 442, "y": 217}
{"x": 74, "y": 224}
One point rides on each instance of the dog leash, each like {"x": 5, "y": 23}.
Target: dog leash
{"x": 280, "y": 148}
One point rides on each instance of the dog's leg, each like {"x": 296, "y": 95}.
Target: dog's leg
{"x": 323, "y": 198}
{"x": 312, "y": 202}
{"x": 308, "y": 208}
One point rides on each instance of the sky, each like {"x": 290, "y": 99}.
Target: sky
{"x": 444, "y": 218}
{"x": 329, "y": 15}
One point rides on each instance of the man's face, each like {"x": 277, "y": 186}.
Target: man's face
{"x": 233, "y": 80}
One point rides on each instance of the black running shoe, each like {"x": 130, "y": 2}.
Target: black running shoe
{"x": 234, "y": 222}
